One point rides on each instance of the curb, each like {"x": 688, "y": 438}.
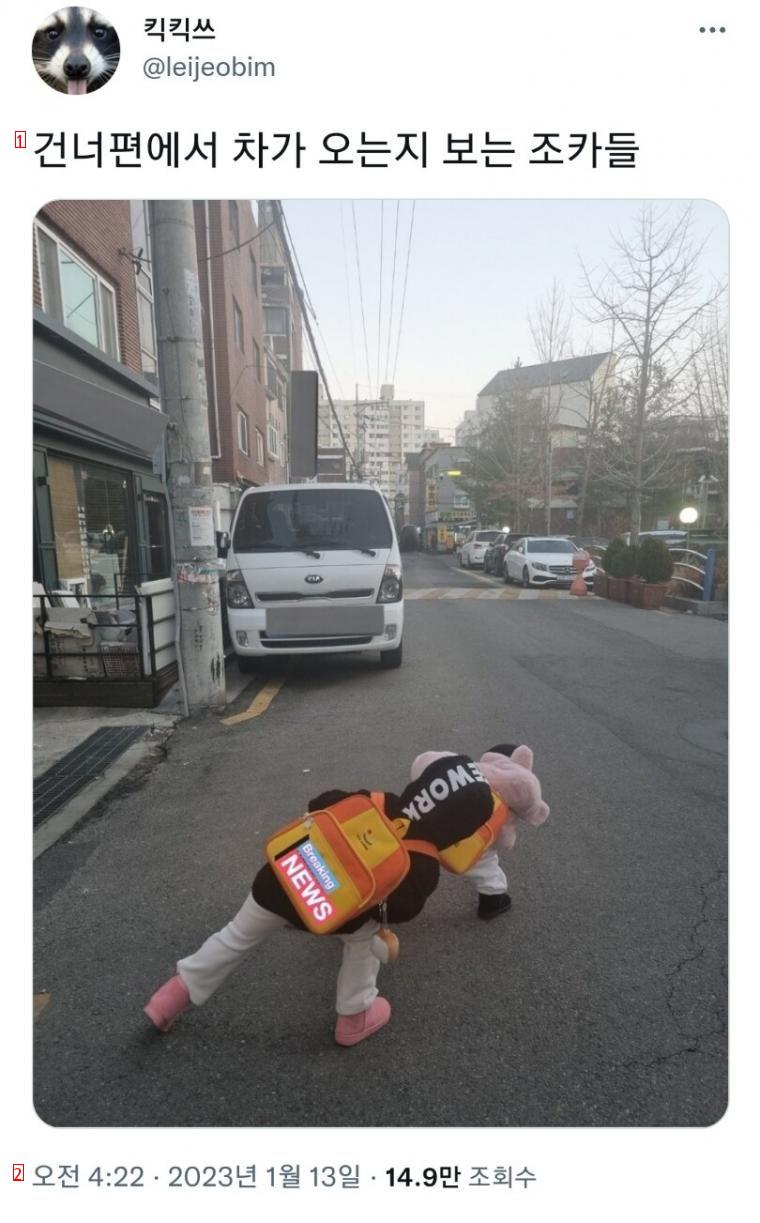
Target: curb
{"x": 80, "y": 806}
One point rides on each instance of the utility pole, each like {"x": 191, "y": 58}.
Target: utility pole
{"x": 188, "y": 453}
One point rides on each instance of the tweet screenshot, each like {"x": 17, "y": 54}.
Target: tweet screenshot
{"x": 383, "y": 377}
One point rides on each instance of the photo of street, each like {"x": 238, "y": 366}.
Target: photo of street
{"x": 325, "y": 492}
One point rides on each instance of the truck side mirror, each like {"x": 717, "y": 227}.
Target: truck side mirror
{"x": 222, "y": 544}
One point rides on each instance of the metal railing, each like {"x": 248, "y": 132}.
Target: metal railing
{"x": 116, "y": 636}
{"x": 697, "y": 570}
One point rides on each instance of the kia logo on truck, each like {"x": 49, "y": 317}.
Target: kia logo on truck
{"x": 313, "y": 578}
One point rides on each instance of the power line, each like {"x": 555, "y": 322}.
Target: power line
{"x": 139, "y": 257}
{"x": 298, "y": 263}
{"x": 380, "y": 297}
{"x": 403, "y": 296}
{"x": 308, "y": 299}
{"x": 393, "y": 284}
{"x": 279, "y": 218}
{"x": 361, "y": 295}
{"x": 348, "y": 290}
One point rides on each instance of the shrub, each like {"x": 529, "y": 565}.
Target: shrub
{"x": 619, "y": 560}
{"x": 654, "y": 562}
{"x": 625, "y": 561}
{"x": 615, "y": 545}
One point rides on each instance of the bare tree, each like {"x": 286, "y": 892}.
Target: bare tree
{"x": 550, "y": 325}
{"x": 657, "y": 454}
{"x": 653, "y": 294}
{"x": 504, "y": 460}
{"x": 708, "y": 374}
{"x": 595, "y": 392}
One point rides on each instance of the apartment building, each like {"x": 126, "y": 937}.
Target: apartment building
{"x": 379, "y": 434}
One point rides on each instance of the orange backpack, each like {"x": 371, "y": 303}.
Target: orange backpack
{"x": 460, "y": 856}
{"x": 335, "y": 863}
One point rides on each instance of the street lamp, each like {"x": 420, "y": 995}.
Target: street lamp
{"x": 688, "y": 517}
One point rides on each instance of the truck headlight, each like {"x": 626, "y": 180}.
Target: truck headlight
{"x": 391, "y": 587}
{"x": 237, "y": 591}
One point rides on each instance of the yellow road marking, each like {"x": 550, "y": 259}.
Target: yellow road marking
{"x": 40, "y": 1002}
{"x": 259, "y": 704}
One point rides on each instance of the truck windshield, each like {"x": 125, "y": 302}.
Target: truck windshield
{"x": 291, "y": 520}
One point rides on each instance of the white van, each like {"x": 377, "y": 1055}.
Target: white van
{"x": 314, "y": 569}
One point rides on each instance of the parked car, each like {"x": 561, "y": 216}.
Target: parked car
{"x": 544, "y": 560}
{"x": 493, "y": 561}
{"x": 314, "y": 569}
{"x": 474, "y": 548}
{"x": 671, "y": 538}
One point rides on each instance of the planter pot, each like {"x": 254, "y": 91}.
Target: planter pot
{"x": 653, "y": 595}
{"x": 647, "y": 595}
{"x": 601, "y": 584}
{"x": 617, "y": 589}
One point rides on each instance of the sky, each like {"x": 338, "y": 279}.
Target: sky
{"x": 476, "y": 270}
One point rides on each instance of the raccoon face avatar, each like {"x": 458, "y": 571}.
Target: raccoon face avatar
{"x": 76, "y": 50}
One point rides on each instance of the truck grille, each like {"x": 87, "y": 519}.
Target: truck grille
{"x": 304, "y": 643}
{"x": 291, "y": 596}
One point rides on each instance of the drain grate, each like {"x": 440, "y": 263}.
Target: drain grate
{"x": 74, "y": 770}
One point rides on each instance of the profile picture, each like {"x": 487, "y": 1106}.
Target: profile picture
{"x": 76, "y": 50}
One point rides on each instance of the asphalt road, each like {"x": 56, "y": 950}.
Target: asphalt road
{"x": 598, "y": 1000}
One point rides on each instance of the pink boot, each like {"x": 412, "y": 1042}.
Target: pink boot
{"x": 167, "y": 1003}
{"x": 350, "y": 1029}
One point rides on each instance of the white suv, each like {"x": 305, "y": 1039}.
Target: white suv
{"x": 474, "y": 548}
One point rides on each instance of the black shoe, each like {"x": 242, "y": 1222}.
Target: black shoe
{"x": 492, "y": 906}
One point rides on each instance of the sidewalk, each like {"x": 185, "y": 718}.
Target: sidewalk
{"x": 61, "y": 739}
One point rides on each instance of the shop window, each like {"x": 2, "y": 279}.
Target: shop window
{"x": 156, "y": 536}
{"x": 92, "y": 522}
{"x": 76, "y": 295}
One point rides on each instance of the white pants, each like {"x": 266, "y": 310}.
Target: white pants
{"x": 212, "y": 963}
{"x": 487, "y": 875}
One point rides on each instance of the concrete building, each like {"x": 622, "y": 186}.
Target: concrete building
{"x": 101, "y": 531}
{"x": 559, "y": 388}
{"x": 283, "y": 337}
{"x": 447, "y": 507}
{"x": 97, "y": 419}
{"x": 379, "y": 433}
{"x": 229, "y": 266}
{"x": 467, "y": 428}
{"x": 554, "y": 399}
